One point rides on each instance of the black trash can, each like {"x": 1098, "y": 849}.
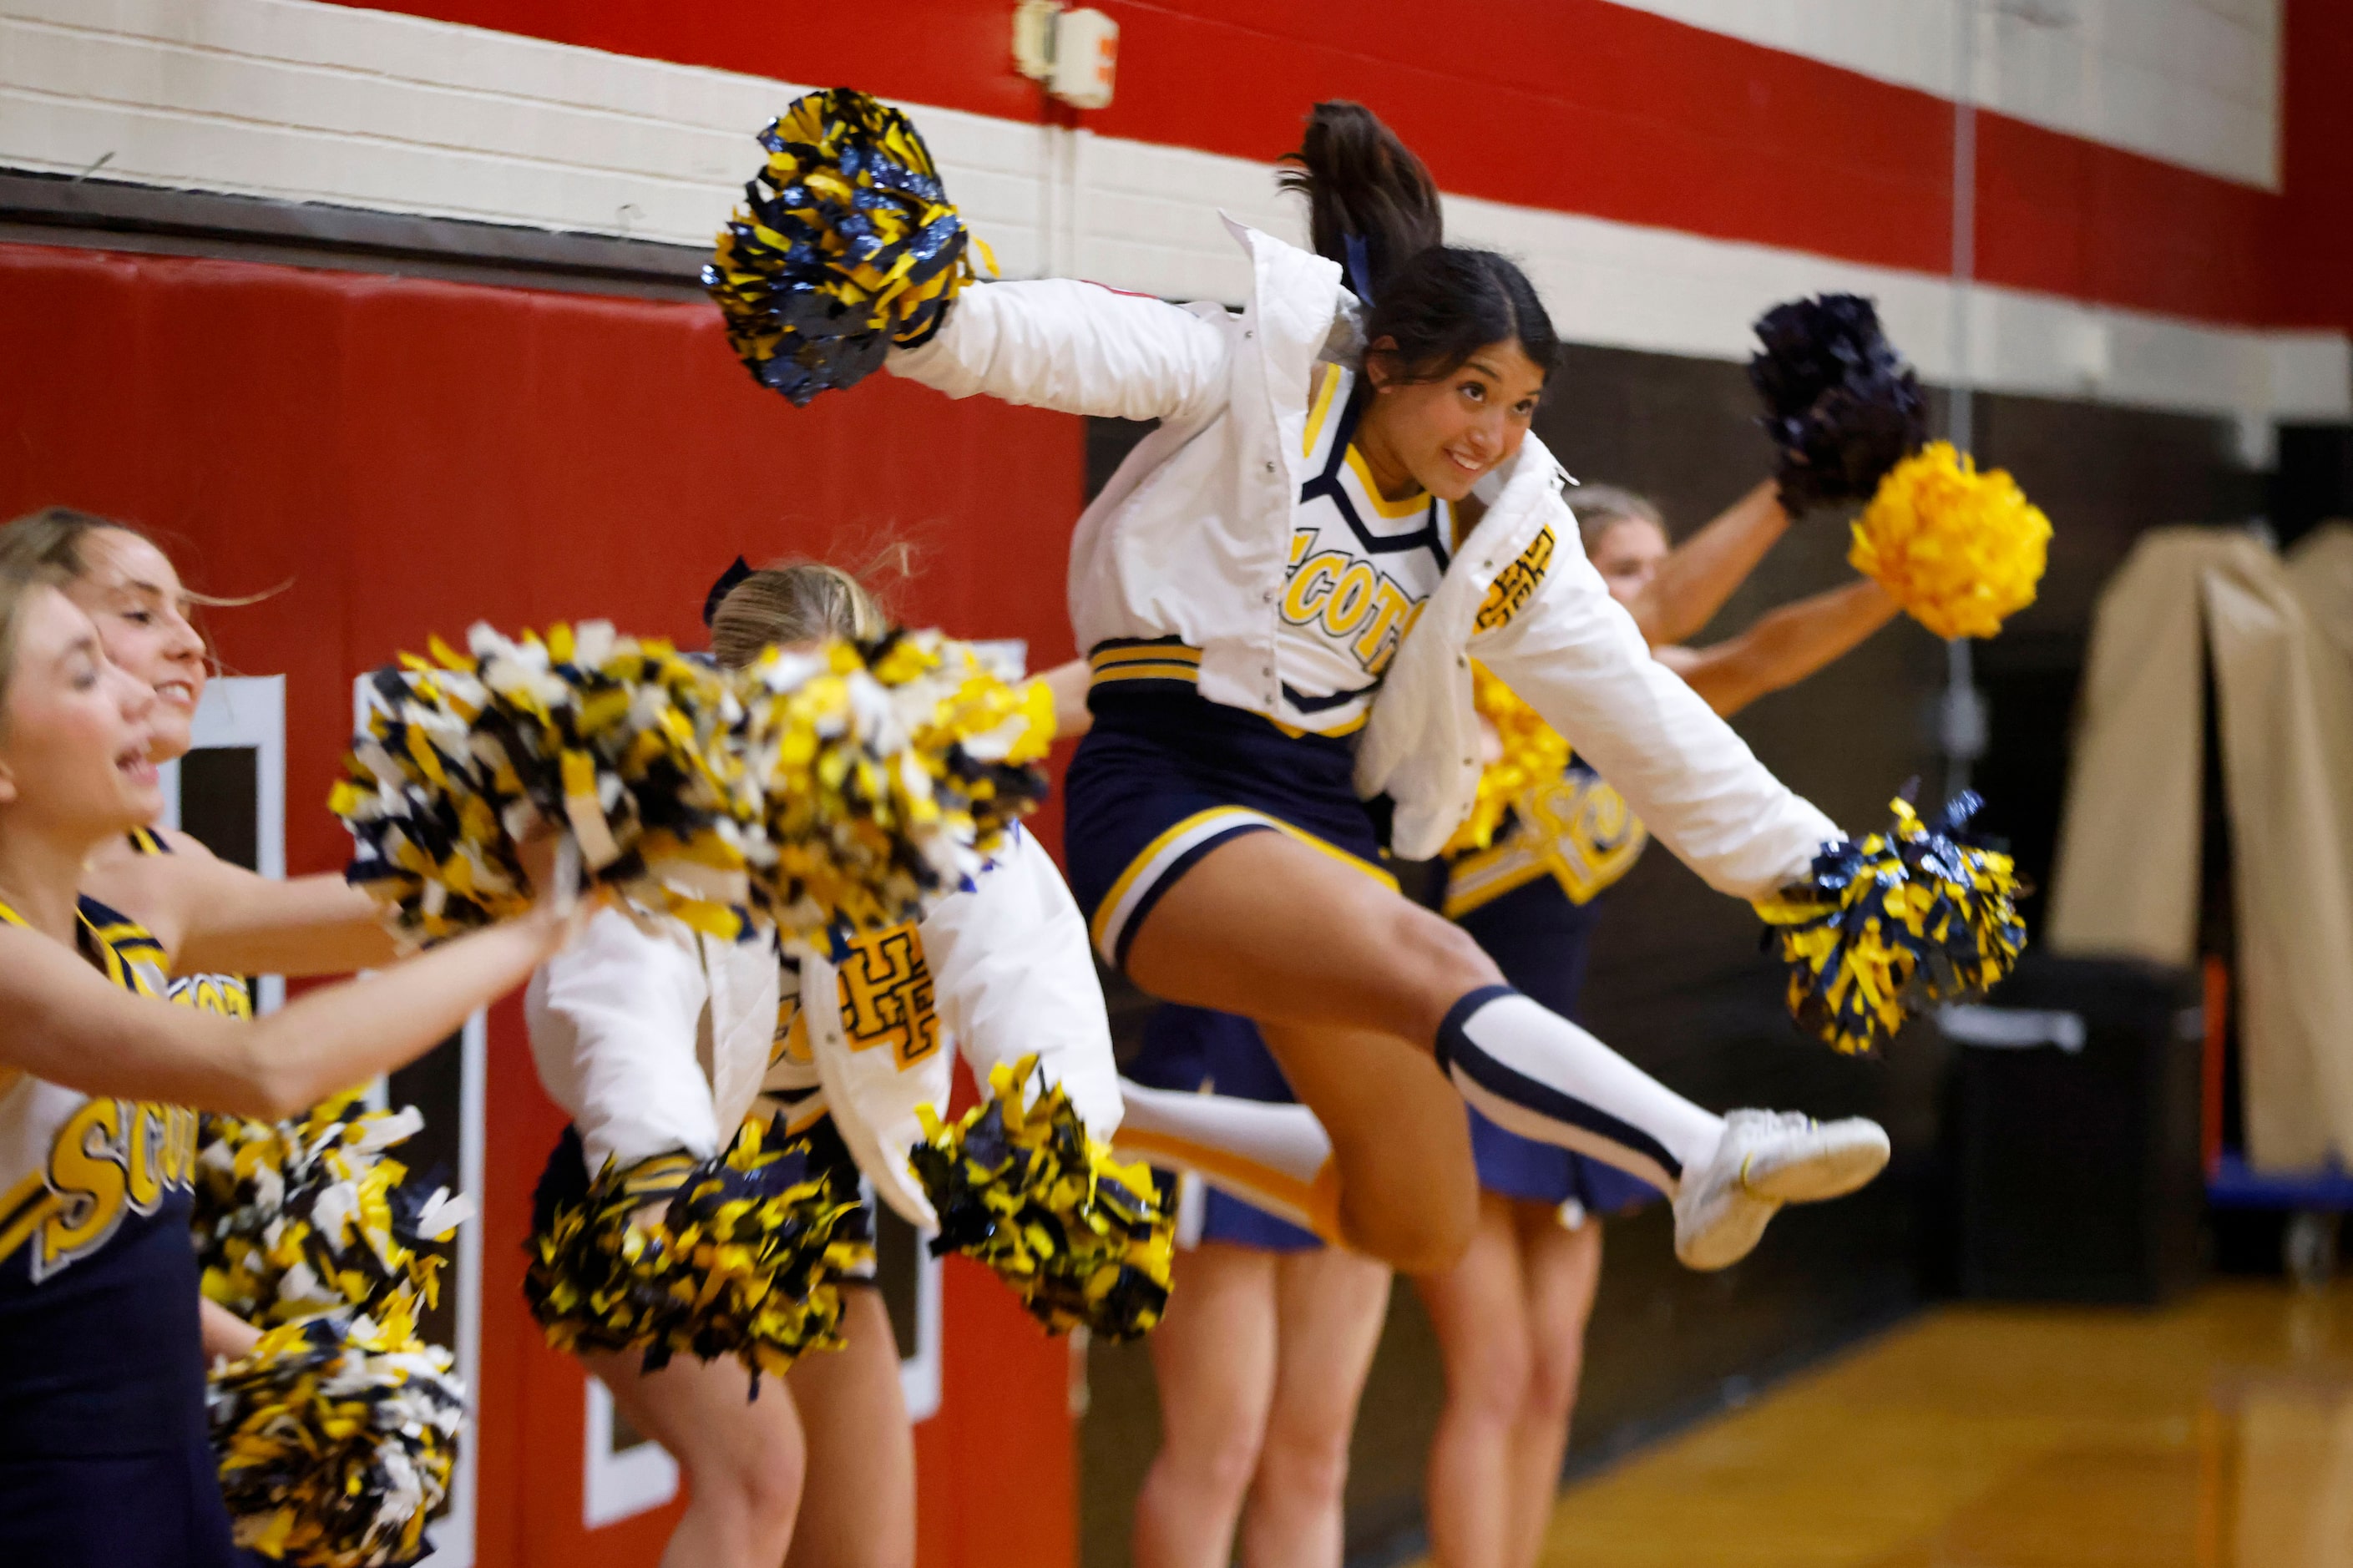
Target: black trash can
{"x": 2077, "y": 1133}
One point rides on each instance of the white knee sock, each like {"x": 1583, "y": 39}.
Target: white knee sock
{"x": 1276, "y": 1156}
{"x": 1532, "y": 1071}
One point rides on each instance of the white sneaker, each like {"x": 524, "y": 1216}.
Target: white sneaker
{"x": 1765, "y": 1160}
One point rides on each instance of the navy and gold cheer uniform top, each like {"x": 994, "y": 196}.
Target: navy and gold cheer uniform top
{"x": 103, "y": 1454}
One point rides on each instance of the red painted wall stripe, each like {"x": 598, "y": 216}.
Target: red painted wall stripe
{"x": 1574, "y": 105}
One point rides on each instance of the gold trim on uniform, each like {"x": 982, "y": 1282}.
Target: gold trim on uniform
{"x": 1576, "y": 828}
{"x": 110, "y": 1157}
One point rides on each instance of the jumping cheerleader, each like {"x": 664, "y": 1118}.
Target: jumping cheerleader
{"x": 1511, "y": 1316}
{"x": 659, "y": 1041}
{"x": 1281, "y": 603}
{"x": 103, "y": 1452}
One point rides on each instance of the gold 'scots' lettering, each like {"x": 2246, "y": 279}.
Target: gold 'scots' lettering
{"x": 112, "y": 1157}
{"x": 1349, "y": 600}
{"x": 1515, "y": 585}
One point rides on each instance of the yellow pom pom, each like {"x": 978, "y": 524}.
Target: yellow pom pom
{"x": 744, "y": 1258}
{"x": 1960, "y": 550}
{"x": 1533, "y": 753}
{"x": 1918, "y": 914}
{"x": 846, "y": 245}
{"x": 335, "y": 1439}
{"x": 1018, "y": 1185}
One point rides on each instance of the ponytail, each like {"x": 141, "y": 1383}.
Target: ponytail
{"x": 1373, "y": 208}
{"x": 1362, "y": 182}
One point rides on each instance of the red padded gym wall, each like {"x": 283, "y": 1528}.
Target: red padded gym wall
{"x": 407, "y": 457}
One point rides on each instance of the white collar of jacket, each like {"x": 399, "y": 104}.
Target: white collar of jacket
{"x": 1424, "y": 707}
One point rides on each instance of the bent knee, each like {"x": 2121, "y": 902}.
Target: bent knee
{"x": 759, "y": 1481}
{"x": 1306, "y": 1468}
{"x": 1427, "y": 1238}
{"x": 1493, "y": 1380}
{"x": 1549, "y": 1389}
{"x": 1444, "y": 960}
{"x": 1216, "y": 1474}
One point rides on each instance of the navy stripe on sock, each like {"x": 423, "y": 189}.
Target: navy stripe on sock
{"x": 1167, "y": 879}
{"x": 1458, "y": 1051}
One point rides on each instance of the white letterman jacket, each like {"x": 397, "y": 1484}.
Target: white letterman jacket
{"x": 656, "y": 1039}
{"x": 1191, "y": 538}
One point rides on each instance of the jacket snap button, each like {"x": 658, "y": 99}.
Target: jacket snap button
{"x": 1270, "y": 467}
{"x": 1249, "y": 335}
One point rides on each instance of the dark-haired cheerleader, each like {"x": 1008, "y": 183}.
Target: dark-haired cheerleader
{"x": 103, "y": 1452}
{"x": 1281, "y": 624}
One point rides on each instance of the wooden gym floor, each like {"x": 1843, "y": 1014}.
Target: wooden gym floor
{"x": 2215, "y": 1433}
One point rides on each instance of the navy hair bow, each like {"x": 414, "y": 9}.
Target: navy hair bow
{"x": 735, "y": 573}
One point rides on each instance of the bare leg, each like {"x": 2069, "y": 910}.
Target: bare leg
{"x": 1322, "y": 956}
{"x": 1560, "y": 1271}
{"x": 1479, "y": 1309}
{"x": 744, "y": 1458}
{"x": 1331, "y": 1305}
{"x": 1213, "y": 1355}
{"x": 858, "y": 1509}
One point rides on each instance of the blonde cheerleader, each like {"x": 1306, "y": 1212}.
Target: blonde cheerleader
{"x": 662, "y": 1044}
{"x": 104, "y": 1456}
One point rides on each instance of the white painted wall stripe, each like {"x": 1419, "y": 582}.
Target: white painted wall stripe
{"x": 2195, "y": 82}
{"x": 306, "y": 101}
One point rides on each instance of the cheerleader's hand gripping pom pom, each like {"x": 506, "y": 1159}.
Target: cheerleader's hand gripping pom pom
{"x": 1840, "y": 404}
{"x": 846, "y": 246}
{"x": 1083, "y": 1240}
{"x": 1533, "y": 753}
{"x": 744, "y": 1258}
{"x": 1960, "y": 550}
{"x": 336, "y": 1439}
{"x": 309, "y": 1215}
{"x": 893, "y": 770}
{"x": 1919, "y": 914}
{"x": 624, "y": 746}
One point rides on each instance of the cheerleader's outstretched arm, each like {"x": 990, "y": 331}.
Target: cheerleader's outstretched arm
{"x": 1015, "y": 976}
{"x": 1702, "y": 571}
{"x": 218, "y": 916}
{"x": 1784, "y": 647}
{"x": 1574, "y": 655}
{"x": 1077, "y": 348}
{"x": 72, "y": 1026}
{"x": 613, "y": 1024}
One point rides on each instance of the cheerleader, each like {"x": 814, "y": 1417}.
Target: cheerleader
{"x": 224, "y": 922}
{"x": 103, "y": 1452}
{"x": 658, "y": 1041}
{"x": 1511, "y": 1315}
{"x": 1282, "y": 590}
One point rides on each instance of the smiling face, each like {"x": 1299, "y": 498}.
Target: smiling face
{"x": 1445, "y": 435}
{"x": 77, "y": 733}
{"x": 131, "y": 593}
{"x": 1628, "y": 556}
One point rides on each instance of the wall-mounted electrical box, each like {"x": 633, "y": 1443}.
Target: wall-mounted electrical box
{"x": 1074, "y": 52}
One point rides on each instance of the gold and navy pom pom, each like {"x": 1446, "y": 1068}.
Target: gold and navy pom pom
{"x": 744, "y": 1258}
{"x": 624, "y": 743}
{"x": 893, "y": 770}
{"x": 1918, "y": 914}
{"x": 336, "y": 1439}
{"x": 1960, "y": 550}
{"x": 846, "y": 245}
{"x": 297, "y": 1217}
{"x": 1840, "y": 404}
{"x": 1083, "y": 1240}
{"x": 1533, "y": 753}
